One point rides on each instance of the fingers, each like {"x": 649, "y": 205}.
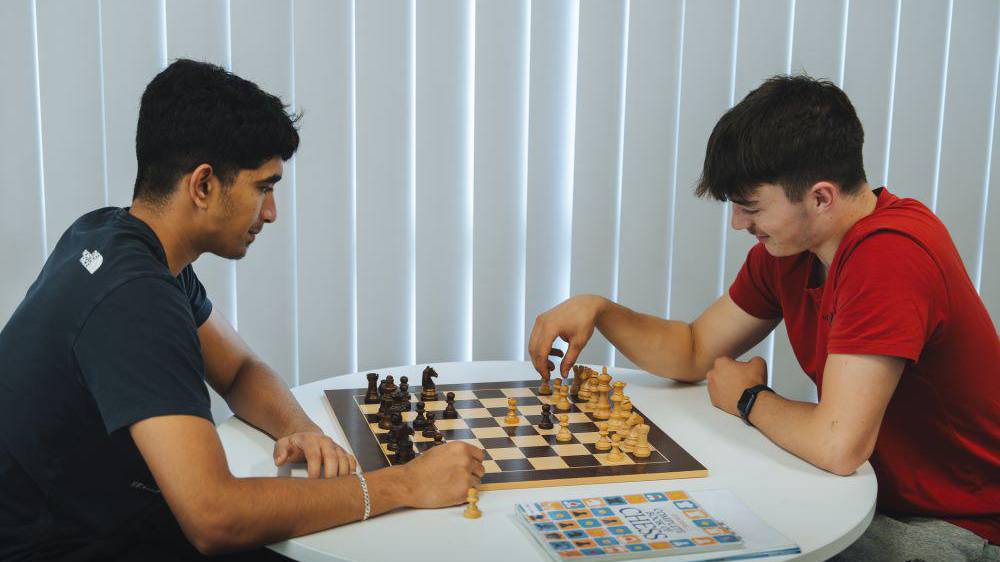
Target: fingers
{"x": 331, "y": 459}
{"x": 282, "y": 452}
{"x": 314, "y": 459}
{"x": 572, "y": 352}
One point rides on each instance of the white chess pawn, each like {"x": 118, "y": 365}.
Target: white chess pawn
{"x": 603, "y": 443}
{"x": 564, "y": 435}
{"x": 563, "y": 403}
{"x": 616, "y": 453}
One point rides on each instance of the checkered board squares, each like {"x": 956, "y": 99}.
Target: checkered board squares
{"x": 517, "y": 455}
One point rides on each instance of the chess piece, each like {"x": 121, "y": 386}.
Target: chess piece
{"x": 546, "y": 422}
{"x": 563, "y": 403}
{"x": 389, "y": 388}
{"x": 371, "y": 397}
{"x": 428, "y": 390}
{"x": 545, "y": 389}
{"x": 399, "y": 400}
{"x": 472, "y": 510}
{"x": 603, "y": 411}
{"x": 404, "y": 445}
{"x": 430, "y": 429}
{"x": 642, "y": 441}
{"x": 574, "y": 389}
{"x": 603, "y": 443}
{"x": 583, "y": 393}
{"x": 592, "y": 393}
{"x": 633, "y": 420}
{"x": 420, "y": 422}
{"x": 564, "y": 436}
{"x": 615, "y": 422}
{"x": 632, "y": 439}
{"x": 512, "y": 417}
{"x": 438, "y": 440}
{"x": 404, "y": 389}
{"x": 450, "y": 413}
{"x": 385, "y": 413}
{"x": 394, "y": 431}
{"x": 556, "y": 385}
{"x": 616, "y": 453}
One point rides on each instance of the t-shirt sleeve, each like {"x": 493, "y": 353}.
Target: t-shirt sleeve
{"x": 201, "y": 306}
{"x": 753, "y": 290}
{"x": 140, "y": 356}
{"x": 891, "y": 298}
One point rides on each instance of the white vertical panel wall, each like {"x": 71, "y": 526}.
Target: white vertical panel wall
{"x": 384, "y": 218}
{"x": 655, "y": 29}
{"x": 324, "y": 188}
{"x": 598, "y": 145}
{"x": 500, "y": 178}
{"x": 467, "y": 165}
{"x": 444, "y": 36}
{"x": 22, "y": 232}
{"x": 552, "y": 106}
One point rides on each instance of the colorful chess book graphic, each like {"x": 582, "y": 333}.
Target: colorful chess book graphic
{"x": 613, "y": 527}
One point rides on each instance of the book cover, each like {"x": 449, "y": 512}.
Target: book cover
{"x": 686, "y": 526}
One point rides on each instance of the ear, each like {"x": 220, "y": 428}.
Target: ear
{"x": 822, "y": 195}
{"x": 200, "y": 184}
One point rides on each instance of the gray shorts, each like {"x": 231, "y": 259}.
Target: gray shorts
{"x": 905, "y": 539}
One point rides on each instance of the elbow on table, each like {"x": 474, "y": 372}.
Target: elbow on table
{"x": 212, "y": 529}
{"x": 846, "y": 461}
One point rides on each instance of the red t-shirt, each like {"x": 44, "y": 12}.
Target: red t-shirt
{"x": 897, "y": 287}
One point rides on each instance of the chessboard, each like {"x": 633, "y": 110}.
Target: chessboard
{"x": 520, "y": 455}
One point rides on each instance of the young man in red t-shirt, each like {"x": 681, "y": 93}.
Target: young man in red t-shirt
{"x": 880, "y": 313}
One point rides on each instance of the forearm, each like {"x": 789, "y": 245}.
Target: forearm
{"x": 800, "y": 428}
{"x": 662, "y": 347}
{"x": 258, "y": 511}
{"x": 261, "y": 398}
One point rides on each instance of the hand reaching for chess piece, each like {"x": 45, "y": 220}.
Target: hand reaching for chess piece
{"x": 442, "y": 475}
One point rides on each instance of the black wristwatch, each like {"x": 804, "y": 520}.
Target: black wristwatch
{"x": 746, "y": 401}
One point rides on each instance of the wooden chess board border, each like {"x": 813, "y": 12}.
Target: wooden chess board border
{"x": 368, "y": 450}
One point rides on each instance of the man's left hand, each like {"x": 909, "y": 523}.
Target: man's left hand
{"x": 729, "y": 378}
{"x": 321, "y": 454}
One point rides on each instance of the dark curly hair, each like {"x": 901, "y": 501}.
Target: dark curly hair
{"x": 792, "y": 131}
{"x": 194, "y": 113}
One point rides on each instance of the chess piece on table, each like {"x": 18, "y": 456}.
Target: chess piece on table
{"x": 389, "y": 387}
{"x": 615, "y": 421}
{"x": 394, "y": 431}
{"x": 556, "y": 385}
{"x": 616, "y": 453}
{"x": 404, "y": 389}
{"x": 603, "y": 443}
{"x": 631, "y": 440}
{"x": 512, "y": 417}
{"x": 430, "y": 429}
{"x": 544, "y": 389}
{"x": 642, "y": 441}
{"x": 371, "y": 397}
{"x": 438, "y": 440}
{"x": 428, "y": 390}
{"x": 404, "y": 445}
{"x": 574, "y": 388}
{"x": 399, "y": 401}
{"x": 420, "y": 422}
{"x": 385, "y": 413}
{"x": 546, "y": 421}
{"x": 583, "y": 392}
{"x": 564, "y": 436}
{"x": 603, "y": 411}
{"x": 592, "y": 394}
{"x": 472, "y": 510}
{"x": 450, "y": 413}
{"x": 563, "y": 403}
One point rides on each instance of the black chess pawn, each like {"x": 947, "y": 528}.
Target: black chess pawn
{"x": 420, "y": 421}
{"x": 398, "y": 400}
{"x": 404, "y": 389}
{"x": 546, "y": 422}
{"x": 430, "y": 429}
{"x": 385, "y": 418}
{"x": 450, "y": 413}
{"x": 438, "y": 440}
{"x": 394, "y": 430}
{"x": 404, "y": 445}
{"x": 384, "y": 387}
{"x": 371, "y": 397}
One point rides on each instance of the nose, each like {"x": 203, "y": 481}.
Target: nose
{"x": 740, "y": 221}
{"x": 269, "y": 211}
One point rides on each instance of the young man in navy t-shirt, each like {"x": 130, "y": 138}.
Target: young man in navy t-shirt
{"x": 107, "y": 447}
{"x": 880, "y": 312}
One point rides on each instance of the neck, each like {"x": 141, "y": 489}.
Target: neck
{"x": 176, "y": 243}
{"x": 855, "y": 209}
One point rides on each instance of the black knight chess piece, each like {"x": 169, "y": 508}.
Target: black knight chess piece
{"x": 428, "y": 391}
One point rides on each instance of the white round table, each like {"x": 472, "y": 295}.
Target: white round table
{"x": 822, "y": 512}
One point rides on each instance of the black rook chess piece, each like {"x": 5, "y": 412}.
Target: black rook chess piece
{"x": 371, "y": 397}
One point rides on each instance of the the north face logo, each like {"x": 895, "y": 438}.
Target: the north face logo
{"x": 91, "y": 260}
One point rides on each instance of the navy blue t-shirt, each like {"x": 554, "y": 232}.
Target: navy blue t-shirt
{"x": 104, "y": 338}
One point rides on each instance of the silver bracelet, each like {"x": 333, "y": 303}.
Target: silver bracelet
{"x": 364, "y": 490}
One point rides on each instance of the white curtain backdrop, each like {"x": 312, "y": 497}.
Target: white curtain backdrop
{"x": 467, "y": 164}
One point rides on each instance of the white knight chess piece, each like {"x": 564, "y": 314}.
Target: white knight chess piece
{"x": 91, "y": 261}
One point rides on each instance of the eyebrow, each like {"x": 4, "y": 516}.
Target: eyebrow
{"x": 744, "y": 202}
{"x": 270, "y": 180}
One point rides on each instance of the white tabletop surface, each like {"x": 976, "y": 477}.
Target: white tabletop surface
{"x": 822, "y": 512}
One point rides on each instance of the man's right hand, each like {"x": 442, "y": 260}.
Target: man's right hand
{"x": 442, "y": 476}
{"x": 573, "y": 321}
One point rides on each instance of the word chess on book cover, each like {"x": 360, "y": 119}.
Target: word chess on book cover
{"x": 621, "y": 527}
